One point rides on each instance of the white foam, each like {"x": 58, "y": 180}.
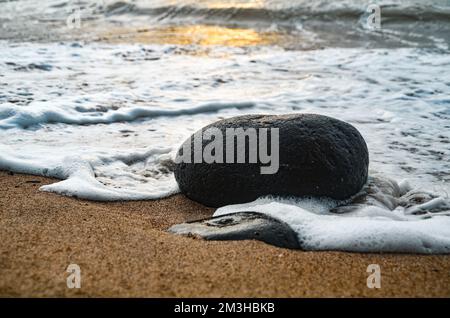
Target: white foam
{"x": 79, "y": 179}
{"x": 12, "y": 116}
{"x": 370, "y": 229}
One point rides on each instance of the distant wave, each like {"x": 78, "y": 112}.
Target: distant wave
{"x": 399, "y": 13}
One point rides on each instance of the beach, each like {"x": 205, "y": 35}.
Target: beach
{"x": 123, "y": 250}
{"x": 97, "y": 97}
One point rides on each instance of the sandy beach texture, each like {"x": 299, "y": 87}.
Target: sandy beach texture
{"x": 123, "y": 250}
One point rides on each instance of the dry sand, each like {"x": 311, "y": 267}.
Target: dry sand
{"x": 123, "y": 250}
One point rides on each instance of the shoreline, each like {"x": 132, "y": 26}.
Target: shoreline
{"x": 123, "y": 250}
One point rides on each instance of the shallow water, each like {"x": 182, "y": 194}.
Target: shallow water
{"x": 105, "y": 106}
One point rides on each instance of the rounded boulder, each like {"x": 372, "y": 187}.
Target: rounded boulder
{"x": 239, "y": 159}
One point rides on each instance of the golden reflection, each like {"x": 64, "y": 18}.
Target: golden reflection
{"x": 235, "y": 4}
{"x": 204, "y": 35}
{"x": 212, "y": 4}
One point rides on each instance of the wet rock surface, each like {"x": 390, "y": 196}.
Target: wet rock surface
{"x": 241, "y": 226}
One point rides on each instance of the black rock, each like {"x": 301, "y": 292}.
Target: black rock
{"x": 318, "y": 156}
{"x": 241, "y": 226}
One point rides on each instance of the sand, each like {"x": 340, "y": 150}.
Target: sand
{"x": 123, "y": 250}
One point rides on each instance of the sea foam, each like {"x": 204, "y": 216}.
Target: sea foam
{"x": 12, "y": 116}
{"x": 370, "y": 229}
{"x": 79, "y": 179}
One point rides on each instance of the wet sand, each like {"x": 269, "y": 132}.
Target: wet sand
{"x": 123, "y": 250}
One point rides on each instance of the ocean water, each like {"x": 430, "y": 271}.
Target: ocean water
{"x": 104, "y": 104}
